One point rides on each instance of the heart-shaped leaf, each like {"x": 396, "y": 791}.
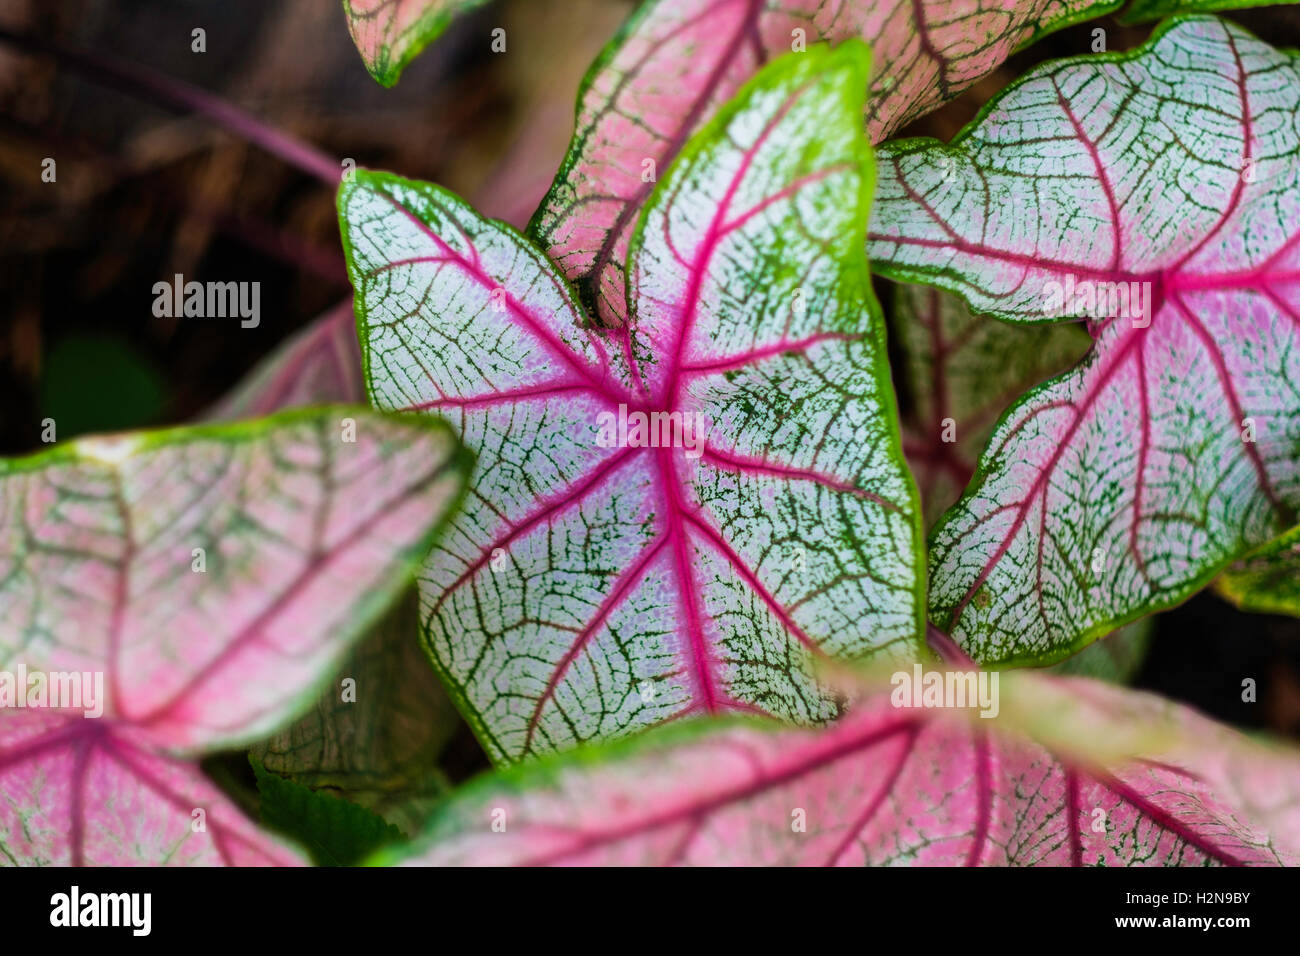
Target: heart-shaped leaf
{"x": 674, "y": 517}
{"x": 389, "y": 34}
{"x": 1267, "y": 580}
{"x": 677, "y": 61}
{"x": 1159, "y": 192}
{"x": 962, "y": 371}
{"x": 893, "y": 785}
{"x": 199, "y": 583}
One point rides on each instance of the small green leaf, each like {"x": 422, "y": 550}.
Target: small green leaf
{"x": 1268, "y": 580}
{"x": 335, "y": 831}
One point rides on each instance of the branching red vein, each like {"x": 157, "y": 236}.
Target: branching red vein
{"x": 254, "y": 630}
{"x": 762, "y": 781}
{"x": 570, "y": 496}
{"x": 690, "y": 305}
{"x": 735, "y": 462}
{"x": 599, "y": 382}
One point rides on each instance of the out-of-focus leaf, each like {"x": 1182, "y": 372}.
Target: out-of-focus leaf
{"x": 204, "y": 580}
{"x": 335, "y": 831}
{"x": 96, "y": 383}
{"x": 1115, "y": 659}
{"x": 389, "y": 34}
{"x": 891, "y": 785}
{"x": 320, "y": 365}
{"x": 962, "y": 373}
{"x": 1267, "y": 580}
{"x": 376, "y": 740}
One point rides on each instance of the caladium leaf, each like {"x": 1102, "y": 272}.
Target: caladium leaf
{"x": 889, "y": 786}
{"x": 604, "y": 578}
{"x": 1168, "y": 180}
{"x": 200, "y": 583}
{"x": 677, "y": 61}
{"x": 1267, "y": 580}
{"x": 962, "y": 372}
{"x": 75, "y": 791}
{"x": 389, "y": 34}
{"x": 321, "y": 365}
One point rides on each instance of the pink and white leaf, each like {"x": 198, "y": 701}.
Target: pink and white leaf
{"x": 321, "y": 365}
{"x": 677, "y": 61}
{"x": 389, "y": 34}
{"x": 592, "y": 586}
{"x": 77, "y": 792}
{"x": 1172, "y": 175}
{"x": 890, "y": 786}
{"x": 202, "y": 583}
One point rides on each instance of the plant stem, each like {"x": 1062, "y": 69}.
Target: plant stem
{"x": 184, "y": 98}
{"x": 948, "y": 649}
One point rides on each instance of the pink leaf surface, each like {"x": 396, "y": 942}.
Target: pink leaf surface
{"x": 206, "y": 580}
{"x": 391, "y": 33}
{"x": 79, "y": 792}
{"x": 1126, "y": 484}
{"x": 893, "y": 786}
{"x": 677, "y": 61}
{"x": 321, "y": 365}
{"x": 589, "y": 590}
